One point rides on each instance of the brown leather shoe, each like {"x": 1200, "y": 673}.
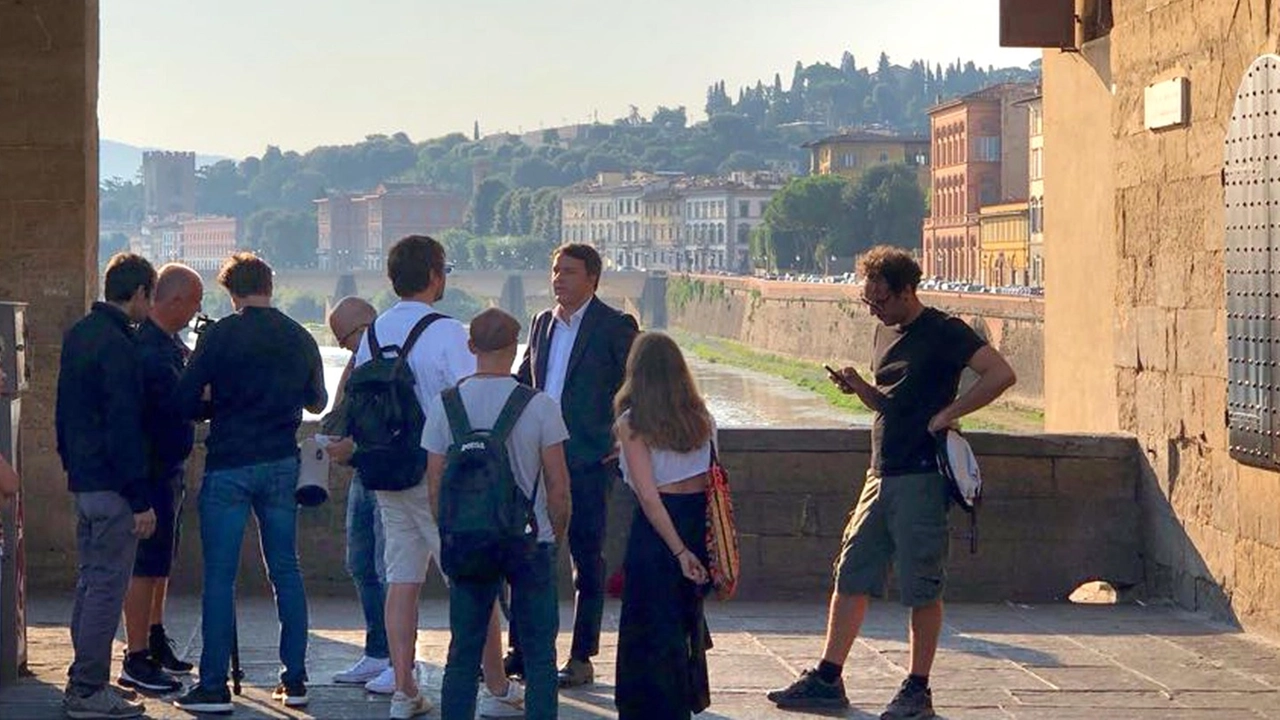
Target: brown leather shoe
{"x": 576, "y": 673}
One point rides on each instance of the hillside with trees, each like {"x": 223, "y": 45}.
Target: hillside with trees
{"x": 761, "y": 126}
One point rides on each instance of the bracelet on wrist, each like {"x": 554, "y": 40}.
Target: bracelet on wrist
{"x": 682, "y": 551}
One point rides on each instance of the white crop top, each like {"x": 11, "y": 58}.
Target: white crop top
{"x": 671, "y": 467}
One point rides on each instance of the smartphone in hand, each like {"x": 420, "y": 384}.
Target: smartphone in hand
{"x": 838, "y": 379}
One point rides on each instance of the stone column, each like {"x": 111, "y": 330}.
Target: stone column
{"x": 48, "y": 230}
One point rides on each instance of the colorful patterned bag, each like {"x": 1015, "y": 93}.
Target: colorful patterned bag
{"x": 724, "y": 563}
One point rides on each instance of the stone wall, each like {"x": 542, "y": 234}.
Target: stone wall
{"x": 48, "y": 219}
{"x": 1210, "y": 524}
{"x": 827, "y": 322}
{"x": 1059, "y": 511}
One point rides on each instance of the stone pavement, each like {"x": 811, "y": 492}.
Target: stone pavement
{"x": 997, "y": 661}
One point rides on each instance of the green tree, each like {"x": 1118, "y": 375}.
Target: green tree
{"x": 457, "y": 247}
{"x": 481, "y": 213}
{"x": 671, "y": 118}
{"x": 887, "y": 207}
{"x": 286, "y": 239}
{"x": 535, "y": 172}
{"x": 807, "y": 220}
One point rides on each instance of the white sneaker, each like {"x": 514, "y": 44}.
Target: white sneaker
{"x": 362, "y": 672}
{"x": 404, "y": 707}
{"x": 384, "y": 683}
{"x": 509, "y": 705}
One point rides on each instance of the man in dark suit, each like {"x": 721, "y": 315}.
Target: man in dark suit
{"x": 577, "y": 354}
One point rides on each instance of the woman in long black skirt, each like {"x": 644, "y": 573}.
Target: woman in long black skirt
{"x": 665, "y": 433}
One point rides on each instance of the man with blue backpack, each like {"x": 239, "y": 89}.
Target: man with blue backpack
{"x": 498, "y": 477}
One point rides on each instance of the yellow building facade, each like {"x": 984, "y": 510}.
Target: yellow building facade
{"x": 1006, "y": 244}
{"x": 850, "y": 155}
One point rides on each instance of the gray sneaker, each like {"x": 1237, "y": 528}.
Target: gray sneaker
{"x": 103, "y": 703}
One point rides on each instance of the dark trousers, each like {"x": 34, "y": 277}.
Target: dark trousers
{"x": 589, "y": 490}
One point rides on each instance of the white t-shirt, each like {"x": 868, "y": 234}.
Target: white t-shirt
{"x": 440, "y": 357}
{"x": 541, "y": 425}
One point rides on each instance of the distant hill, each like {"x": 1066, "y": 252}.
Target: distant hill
{"x": 118, "y": 160}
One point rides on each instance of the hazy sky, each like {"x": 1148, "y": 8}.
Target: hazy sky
{"x": 232, "y": 76}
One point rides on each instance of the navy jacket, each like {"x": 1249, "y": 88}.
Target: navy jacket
{"x": 99, "y": 408}
{"x": 170, "y": 437}
{"x": 597, "y": 365}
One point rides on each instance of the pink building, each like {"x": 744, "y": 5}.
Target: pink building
{"x": 206, "y": 241}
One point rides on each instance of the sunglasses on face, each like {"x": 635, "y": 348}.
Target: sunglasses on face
{"x": 342, "y": 341}
{"x": 876, "y": 304}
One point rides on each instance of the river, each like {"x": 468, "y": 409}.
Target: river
{"x": 736, "y": 397}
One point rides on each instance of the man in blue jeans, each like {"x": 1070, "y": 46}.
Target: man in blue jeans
{"x": 252, "y": 374}
{"x": 535, "y": 449}
{"x": 348, "y": 320}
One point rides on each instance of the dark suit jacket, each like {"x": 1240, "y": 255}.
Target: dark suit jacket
{"x": 596, "y": 368}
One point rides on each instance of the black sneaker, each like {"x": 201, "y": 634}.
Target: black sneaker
{"x": 810, "y": 691}
{"x": 142, "y": 673}
{"x": 913, "y": 702}
{"x": 161, "y": 646}
{"x": 206, "y": 700}
{"x": 292, "y": 694}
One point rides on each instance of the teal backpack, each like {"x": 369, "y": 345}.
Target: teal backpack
{"x": 484, "y": 514}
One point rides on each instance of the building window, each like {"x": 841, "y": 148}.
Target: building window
{"x": 986, "y": 149}
{"x": 1095, "y": 19}
{"x": 884, "y": 157}
{"x": 1037, "y": 163}
{"x": 744, "y": 208}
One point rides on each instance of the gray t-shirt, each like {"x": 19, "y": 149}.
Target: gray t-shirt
{"x": 540, "y": 426}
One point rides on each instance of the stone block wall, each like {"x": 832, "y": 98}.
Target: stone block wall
{"x": 1209, "y": 523}
{"x": 1059, "y": 511}
{"x": 828, "y": 323}
{"x": 48, "y": 219}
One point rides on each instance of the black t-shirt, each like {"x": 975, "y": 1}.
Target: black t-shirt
{"x": 918, "y": 368}
{"x": 263, "y": 369}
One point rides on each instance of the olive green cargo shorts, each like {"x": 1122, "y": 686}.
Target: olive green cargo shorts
{"x": 902, "y": 519}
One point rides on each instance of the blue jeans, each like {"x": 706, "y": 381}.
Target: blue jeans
{"x": 226, "y": 498}
{"x": 533, "y": 610}
{"x": 366, "y": 567}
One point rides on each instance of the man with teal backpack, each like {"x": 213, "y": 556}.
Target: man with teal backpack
{"x": 498, "y": 478}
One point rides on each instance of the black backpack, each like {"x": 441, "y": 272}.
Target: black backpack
{"x": 484, "y": 515}
{"x": 384, "y": 416}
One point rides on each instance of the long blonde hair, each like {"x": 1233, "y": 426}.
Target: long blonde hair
{"x": 666, "y": 410}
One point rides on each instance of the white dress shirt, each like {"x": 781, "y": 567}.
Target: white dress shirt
{"x": 562, "y": 339}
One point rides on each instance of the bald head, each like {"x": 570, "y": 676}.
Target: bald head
{"x": 177, "y": 279}
{"x": 178, "y": 295}
{"x": 348, "y": 317}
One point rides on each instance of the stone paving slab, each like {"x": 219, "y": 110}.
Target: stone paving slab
{"x": 1058, "y": 662}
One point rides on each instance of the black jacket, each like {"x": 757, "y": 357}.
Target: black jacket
{"x": 170, "y": 437}
{"x": 597, "y": 365}
{"x": 262, "y": 369}
{"x": 99, "y": 408}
